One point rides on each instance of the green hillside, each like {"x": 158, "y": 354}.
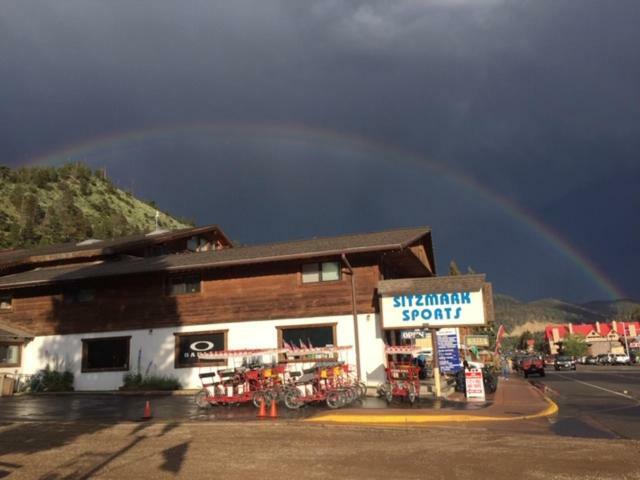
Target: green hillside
{"x": 46, "y": 205}
{"x": 533, "y": 316}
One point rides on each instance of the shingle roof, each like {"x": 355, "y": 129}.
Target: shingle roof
{"x": 96, "y": 248}
{"x": 317, "y": 247}
{"x": 452, "y": 283}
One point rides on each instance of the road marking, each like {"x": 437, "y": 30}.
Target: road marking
{"x": 596, "y": 386}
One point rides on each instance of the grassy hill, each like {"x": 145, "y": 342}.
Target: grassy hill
{"x": 518, "y": 317}
{"x": 45, "y": 205}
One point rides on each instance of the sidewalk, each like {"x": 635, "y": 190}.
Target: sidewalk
{"x": 515, "y": 399}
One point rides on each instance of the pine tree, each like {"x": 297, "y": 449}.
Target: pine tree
{"x": 453, "y": 268}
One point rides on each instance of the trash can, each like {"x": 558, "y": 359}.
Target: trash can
{"x": 7, "y": 383}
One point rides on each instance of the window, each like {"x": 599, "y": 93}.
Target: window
{"x": 303, "y": 337}
{"x": 79, "y": 295}
{"x": 184, "y": 285}
{"x": 321, "y": 272}
{"x": 197, "y": 244}
{"x": 105, "y": 354}
{"x": 5, "y": 301}
{"x": 10, "y": 354}
{"x": 188, "y": 345}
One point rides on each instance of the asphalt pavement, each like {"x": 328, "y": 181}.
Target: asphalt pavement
{"x": 596, "y": 402}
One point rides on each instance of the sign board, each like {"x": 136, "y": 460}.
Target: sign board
{"x": 477, "y": 340}
{"x": 414, "y": 334}
{"x": 474, "y": 384}
{"x": 448, "y": 353}
{"x": 450, "y": 309}
{"x": 189, "y": 346}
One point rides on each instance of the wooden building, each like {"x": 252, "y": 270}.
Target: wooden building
{"x": 149, "y": 303}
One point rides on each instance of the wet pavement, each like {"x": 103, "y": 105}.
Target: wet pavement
{"x": 117, "y": 408}
{"x": 596, "y": 402}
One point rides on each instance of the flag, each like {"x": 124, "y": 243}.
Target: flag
{"x": 302, "y": 345}
{"x": 499, "y": 336}
{"x": 288, "y": 346}
{"x": 309, "y": 343}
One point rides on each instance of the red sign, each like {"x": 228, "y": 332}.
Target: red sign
{"x": 474, "y": 384}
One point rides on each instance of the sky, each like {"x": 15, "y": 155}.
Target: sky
{"x": 511, "y": 128}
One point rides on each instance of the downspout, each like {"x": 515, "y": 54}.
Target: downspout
{"x": 354, "y": 312}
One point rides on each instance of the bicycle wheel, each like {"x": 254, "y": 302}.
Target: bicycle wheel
{"x": 363, "y": 390}
{"x": 412, "y": 394}
{"x": 292, "y": 399}
{"x": 334, "y": 399}
{"x": 259, "y": 397}
{"x": 201, "y": 399}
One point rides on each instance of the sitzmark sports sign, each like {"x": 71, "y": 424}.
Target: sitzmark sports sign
{"x": 433, "y": 309}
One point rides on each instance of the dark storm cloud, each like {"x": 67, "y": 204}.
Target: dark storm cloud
{"x": 537, "y": 100}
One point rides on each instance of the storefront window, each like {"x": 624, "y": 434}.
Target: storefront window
{"x": 9, "y": 355}
{"x": 320, "y": 272}
{"x": 188, "y": 345}
{"x": 308, "y": 337}
{"x": 105, "y": 354}
{"x": 184, "y": 285}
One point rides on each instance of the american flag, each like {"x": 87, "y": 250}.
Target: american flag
{"x": 499, "y": 336}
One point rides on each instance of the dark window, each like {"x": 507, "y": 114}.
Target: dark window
{"x": 188, "y": 345}
{"x": 105, "y": 354}
{"x": 6, "y": 300}
{"x": 304, "y": 337}
{"x": 184, "y": 285}
{"x": 10, "y": 354}
{"x": 79, "y": 295}
{"x": 321, "y": 272}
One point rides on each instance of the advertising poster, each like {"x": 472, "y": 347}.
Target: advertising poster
{"x": 474, "y": 384}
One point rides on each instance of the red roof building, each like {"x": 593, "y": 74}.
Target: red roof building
{"x": 601, "y": 337}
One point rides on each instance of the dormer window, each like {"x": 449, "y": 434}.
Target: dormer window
{"x": 6, "y": 302}
{"x": 184, "y": 285}
{"x": 321, "y": 272}
{"x": 79, "y": 295}
{"x": 197, "y": 244}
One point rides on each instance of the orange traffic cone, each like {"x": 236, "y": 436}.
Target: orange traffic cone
{"x": 273, "y": 413}
{"x": 147, "y": 411}
{"x": 262, "y": 413}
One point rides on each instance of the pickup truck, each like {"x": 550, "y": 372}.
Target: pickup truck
{"x": 531, "y": 365}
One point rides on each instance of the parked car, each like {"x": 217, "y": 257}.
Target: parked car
{"x": 621, "y": 359}
{"x": 564, "y": 362}
{"x": 591, "y": 360}
{"x": 549, "y": 360}
{"x": 531, "y": 365}
{"x": 604, "y": 359}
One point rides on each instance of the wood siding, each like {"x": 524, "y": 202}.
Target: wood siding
{"x": 258, "y": 292}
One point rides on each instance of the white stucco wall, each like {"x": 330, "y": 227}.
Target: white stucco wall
{"x": 156, "y": 347}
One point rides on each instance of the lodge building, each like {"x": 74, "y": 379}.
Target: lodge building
{"x": 150, "y": 303}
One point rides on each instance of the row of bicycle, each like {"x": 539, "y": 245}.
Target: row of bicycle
{"x": 330, "y": 382}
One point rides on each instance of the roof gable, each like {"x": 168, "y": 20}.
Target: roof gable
{"x": 303, "y": 249}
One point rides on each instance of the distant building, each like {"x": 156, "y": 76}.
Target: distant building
{"x": 601, "y": 337}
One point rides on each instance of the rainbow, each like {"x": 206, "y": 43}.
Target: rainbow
{"x": 305, "y": 134}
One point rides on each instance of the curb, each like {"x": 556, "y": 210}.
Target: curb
{"x": 122, "y": 393}
{"x": 417, "y": 419}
